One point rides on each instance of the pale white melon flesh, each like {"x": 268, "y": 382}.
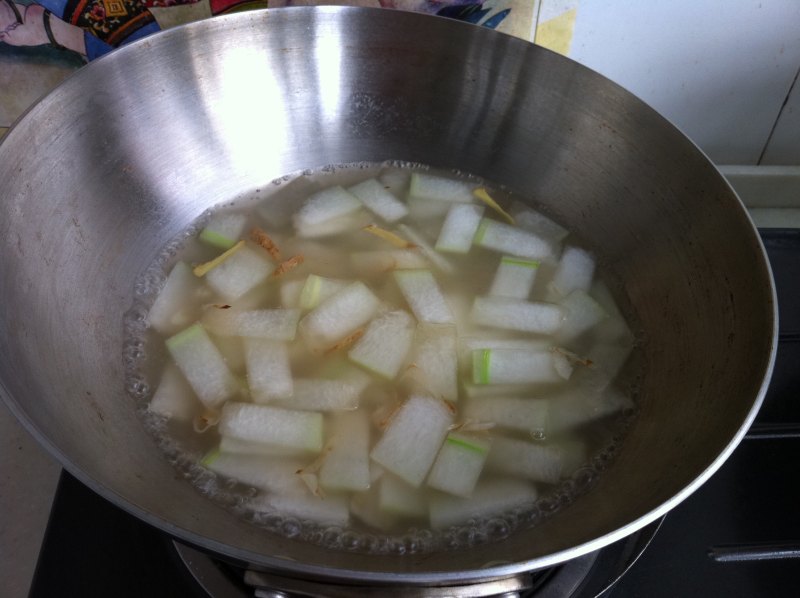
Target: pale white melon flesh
{"x": 581, "y": 314}
{"x": 272, "y": 473}
{"x": 384, "y": 347}
{"x": 346, "y": 464}
{"x": 576, "y": 408}
{"x": 290, "y": 293}
{"x": 424, "y": 297}
{"x": 245, "y": 269}
{"x": 381, "y": 261}
{"x": 459, "y": 228}
{"x": 269, "y": 373}
{"x": 203, "y": 366}
{"x": 330, "y": 509}
{"x": 440, "y": 262}
{"x": 400, "y": 499}
{"x": 324, "y": 206}
{"x": 174, "y": 397}
{"x": 467, "y": 344}
{"x": 379, "y": 200}
{"x": 224, "y": 229}
{"x": 435, "y": 188}
{"x": 514, "y": 278}
{"x": 315, "y": 394}
{"x": 514, "y": 366}
{"x": 237, "y": 446}
{"x": 533, "y": 221}
{"x": 575, "y": 271}
{"x": 459, "y": 464}
{"x": 536, "y": 462}
{"x": 173, "y": 308}
{"x": 513, "y": 413}
{"x": 272, "y": 425}
{"x": 433, "y": 362}
{"x": 410, "y": 443}
{"x": 514, "y": 314}
{"x": 490, "y": 497}
{"x": 317, "y": 289}
{"x": 274, "y": 324}
{"x": 510, "y": 240}
{"x": 338, "y": 316}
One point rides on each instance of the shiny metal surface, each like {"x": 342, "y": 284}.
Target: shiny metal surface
{"x": 98, "y": 176}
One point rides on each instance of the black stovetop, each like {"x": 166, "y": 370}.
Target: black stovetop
{"x": 738, "y": 535}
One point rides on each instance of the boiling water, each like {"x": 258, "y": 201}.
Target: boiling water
{"x": 145, "y": 355}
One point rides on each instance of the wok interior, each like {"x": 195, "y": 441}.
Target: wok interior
{"x": 123, "y": 156}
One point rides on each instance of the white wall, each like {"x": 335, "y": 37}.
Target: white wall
{"x": 720, "y": 70}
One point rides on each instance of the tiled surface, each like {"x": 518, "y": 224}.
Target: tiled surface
{"x": 28, "y": 478}
{"x": 26, "y": 74}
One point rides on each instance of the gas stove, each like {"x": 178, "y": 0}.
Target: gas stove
{"x": 738, "y": 535}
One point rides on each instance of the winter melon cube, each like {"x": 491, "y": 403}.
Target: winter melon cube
{"x": 371, "y": 263}
{"x": 433, "y": 362}
{"x": 272, "y": 425}
{"x": 385, "y": 344}
{"x": 346, "y": 465}
{"x": 459, "y": 228}
{"x": 174, "y": 398}
{"x": 237, "y": 446}
{"x": 514, "y": 413}
{"x": 290, "y": 293}
{"x": 436, "y": 188}
{"x": 275, "y": 474}
{"x": 268, "y": 373}
{"x": 514, "y": 314}
{"x": 582, "y": 313}
{"x": 398, "y": 498}
{"x": 275, "y": 324}
{"x": 459, "y": 464}
{"x": 421, "y": 291}
{"x": 203, "y": 366}
{"x": 467, "y": 344}
{"x": 437, "y": 259}
{"x": 514, "y": 366}
{"x": 364, "y": 506}
{"x": 413, "y": 437}
{"x": 174, "y": 308}
{"x": 242, "y": 271}
{"x": 491, "y": 496}
{"x": 223, "y": 229}
{"x": 575, "y": 271}
{"x": 537, "y": 223}
{"x": 325, "y": 205}
{"x": 537, "y": 462}
{"x": 578, "y": 407}
{"x": 379, "y": 200}
{"x": 512, "y": 240}
{"x": 336, "y": 226}
{"x": 232, "y": 350}
{"x": 317, "y": 289}
{"x": 338, "y": 316}
{"x": 324, "y": 395}
{"x": 330, "y": 509}
{"x": 514, "y": 278}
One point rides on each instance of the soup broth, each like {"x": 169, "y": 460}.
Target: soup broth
{"x": 381, "y": 358}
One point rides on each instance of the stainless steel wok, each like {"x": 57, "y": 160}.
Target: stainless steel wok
{"x": 98, "y": 176}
